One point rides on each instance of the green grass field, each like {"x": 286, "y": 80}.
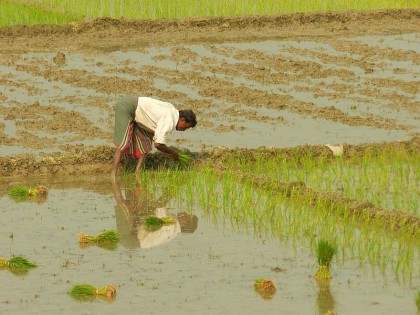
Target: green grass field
{"x": 26, "y": 12}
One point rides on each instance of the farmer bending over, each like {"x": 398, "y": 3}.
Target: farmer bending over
{"x": 139, "y": 121}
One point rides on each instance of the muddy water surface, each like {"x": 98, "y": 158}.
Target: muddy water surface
{"x": 206, "y": 266}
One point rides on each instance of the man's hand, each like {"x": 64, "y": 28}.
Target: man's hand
{"x": 165, "y": 149}
{"x": 175, "y": 156}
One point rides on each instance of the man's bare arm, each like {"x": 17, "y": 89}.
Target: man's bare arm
{"x": 165, "y": 149}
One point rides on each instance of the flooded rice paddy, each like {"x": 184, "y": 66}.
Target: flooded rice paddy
{"x": 207, "y": 264}
{"x": 263, "y": 188}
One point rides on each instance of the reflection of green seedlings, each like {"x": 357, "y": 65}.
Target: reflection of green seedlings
{"x": 108, "y": 239}
{"x": 17, "y": 263}
{"x": 80, "y": 291}
{"x": 154, "y": 223}
{"x": 418, "y": 300}
{"x": 325, "y": 301}
{"x": 325, "y": 252}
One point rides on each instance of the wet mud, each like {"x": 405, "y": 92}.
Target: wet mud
{"x": 282, "y": 81}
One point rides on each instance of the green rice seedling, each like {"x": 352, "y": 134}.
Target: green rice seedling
{"x": 83, "y": 291}
{"x": 325, "y": 252}
{"x": 184, "y": 159}
{"x": 154, "y": 223}
{"x": 418, "y": 301}
{"x": 265, "y": 287}
{"x": 21, "y": 192}
{"x": 18, "y": 263}
{"x": 64, "y": 11}
{"x": 18, "y": 191}
{"x": 108, "y": 239}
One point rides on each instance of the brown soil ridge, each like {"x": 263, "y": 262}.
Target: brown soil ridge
{"x": 226, "y": 22}
{"x": 131, "y": 32}
{"x": 316, "y": 151}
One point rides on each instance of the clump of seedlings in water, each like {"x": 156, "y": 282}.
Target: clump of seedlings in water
{"x": 107, "y": 239}
{"x": 21, "y": 192}
{"x": 325, "y": 252}
{"x": 84, "y": 291}
{"x": 17, "y": 263}
{"x": 154, "y": 223}
{"x": 265, "y": 287}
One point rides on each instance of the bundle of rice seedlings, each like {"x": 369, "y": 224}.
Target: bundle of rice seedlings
{"x": 184, "y": 159}
{"x": 265, "y": 287}
{"x": 20, "y": 191}
{"x": 81, "y": 291}
{"x": 325, "y": 252}
{"x": 107, "y": 239}
{"x": 154, "y": 223}
{"x": 17, "y": 263}
{"x": 38, "y": 191}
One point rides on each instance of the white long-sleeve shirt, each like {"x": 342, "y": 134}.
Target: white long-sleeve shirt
{"x": 157, "y": 116}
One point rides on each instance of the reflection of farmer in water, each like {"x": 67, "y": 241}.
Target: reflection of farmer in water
{"x": 139, "y": 121}
{"x": 134, "y": 205}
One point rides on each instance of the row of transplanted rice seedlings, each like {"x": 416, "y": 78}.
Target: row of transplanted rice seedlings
{"x": 61, "y": 11}
{"x": 299, "y": 218}
{"x": 387, "y": 177}
{"x": 366, "y": 212}
{"x": 269, "y": 211}
{"x": 270, "y": 208}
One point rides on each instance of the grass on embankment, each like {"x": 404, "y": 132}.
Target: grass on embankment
{"x": 27, "y": 12}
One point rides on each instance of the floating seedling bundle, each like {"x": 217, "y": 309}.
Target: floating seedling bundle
{"x": 153, "y": 223}
{"x": 108, "y": 239}
{"x": 87, "y": 292}
{"x": 265, "y": 287}
{"x": 325, "y": 252}
{"x": 17, "y": 264}
{"x": 21, "y": 192}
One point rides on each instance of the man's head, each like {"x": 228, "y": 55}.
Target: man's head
{"x": 188, "y": 222}
{"x": 186, "y": 120}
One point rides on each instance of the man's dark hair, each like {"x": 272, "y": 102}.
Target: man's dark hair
{"x": 189, "y": 116}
